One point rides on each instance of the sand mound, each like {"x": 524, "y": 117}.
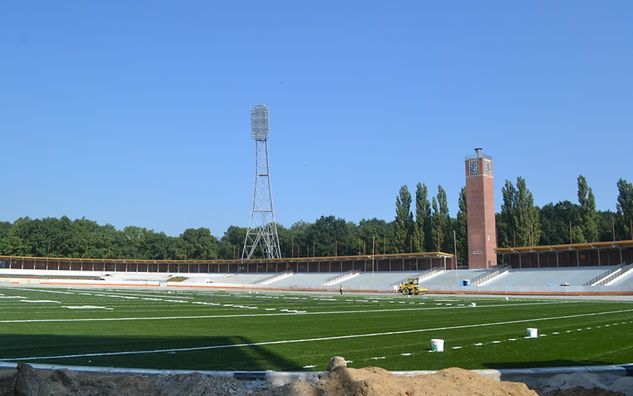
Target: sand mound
{"x": 339, "y": 381}
{"x": 450, "y": 382}
{"x": 29, "y": 382}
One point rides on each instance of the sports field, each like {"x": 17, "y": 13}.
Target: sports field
{"x": 218, "y": 330}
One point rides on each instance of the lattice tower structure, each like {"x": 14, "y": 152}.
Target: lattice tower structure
{"x": 262, "y": 231}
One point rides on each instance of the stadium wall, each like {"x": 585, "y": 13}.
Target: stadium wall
{"x": 571, "y": 255}
{"x": 386, "y": 262}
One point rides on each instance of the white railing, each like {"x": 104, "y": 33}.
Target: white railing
{"x": 488, "y": 276}
{"x": 614, "y": 277}
{"x": 598, "y": 280}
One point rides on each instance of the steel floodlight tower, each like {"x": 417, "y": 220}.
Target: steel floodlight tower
{"x": 262, "y": 230}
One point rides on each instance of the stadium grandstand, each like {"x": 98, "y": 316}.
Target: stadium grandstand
{"x": 604, "y": 267}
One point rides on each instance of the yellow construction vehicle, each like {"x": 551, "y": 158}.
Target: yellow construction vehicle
{"x": 411, "y": 286}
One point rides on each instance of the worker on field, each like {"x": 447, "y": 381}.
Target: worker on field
{"x": 340, "y": 289}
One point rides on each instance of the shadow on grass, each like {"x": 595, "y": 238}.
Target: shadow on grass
{"x": 230, "y": 352}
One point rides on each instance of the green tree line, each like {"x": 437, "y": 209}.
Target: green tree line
{"x": 421, "y": 223}
{"x": 521, "y": 223}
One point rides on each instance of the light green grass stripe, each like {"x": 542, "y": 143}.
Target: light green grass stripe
{"x": 266, "y": 315}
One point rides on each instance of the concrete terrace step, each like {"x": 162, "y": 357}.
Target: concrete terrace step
{"x": 275, "y": 278}
{"x": 426, "y": 275}
{"x": 423, "y": 276}
{"x": 341, "y": 278}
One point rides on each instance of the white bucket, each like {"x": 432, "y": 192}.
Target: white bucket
{"x": 532, "y": 332}
{"x": 437, "y": 345}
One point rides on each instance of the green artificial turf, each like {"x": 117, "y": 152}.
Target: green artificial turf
{"x": 208, "y": 330}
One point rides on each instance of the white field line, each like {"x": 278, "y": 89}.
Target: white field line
{"x": 104, "y": 293}
{"x": 159, "y": 296}
{"x": 528, "y": 337}
{"x": 128, "y": 296}
{"x": 85, "y": 307}
{"x": 41, "y": 290}
{"x": 155, "y": 295}
{"x": 288, "y": 312}
{"x": 40, "y": 301}
{"x": 331, "y": 338}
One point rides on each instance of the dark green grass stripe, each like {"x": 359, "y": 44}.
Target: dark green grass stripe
{"x": 339, "y": 337}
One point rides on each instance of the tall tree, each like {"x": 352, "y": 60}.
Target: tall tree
{"x": 422, "y": 214}
{"x": 299, "y": 239}
{"x": 506, "y": 223}
{"x": 588, "y": 214}
{"x": 461, "y": 229}
{"x": 606, "y": 225}
{"x": 403, "y": 231}
{"x": 378, "y": 232}
{"x": 442, "y": 201}
{"x": 285, "y": 241}
{"x": 91, "y": 240}
{"x": 561, "y": 224}
{"x": 428, "y": 229}
{"x": 331, "y": 236}
{"x": 625, "y": 209}
{"x": 519, "y": 218}
{"x": 527, "y": 222}
{"x": 130, "y": 240}
{"x": 12, "y": 244}
{"x": 198, "y": 244}
{"x": 158, "y": 246}
{"x": 437, "y": 232}
{"x": 441, "y": 221}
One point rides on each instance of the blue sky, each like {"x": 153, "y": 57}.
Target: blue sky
{"x": 137, "y": 113}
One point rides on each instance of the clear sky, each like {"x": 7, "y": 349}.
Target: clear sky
{"x": 137, "y": 112}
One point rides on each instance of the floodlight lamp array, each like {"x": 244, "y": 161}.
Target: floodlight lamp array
{"x": 259, "y": 122}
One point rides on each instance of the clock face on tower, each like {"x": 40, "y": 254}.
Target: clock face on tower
{"x": 473, "y": 167}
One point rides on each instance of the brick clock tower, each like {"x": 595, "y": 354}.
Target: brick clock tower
{"x": 480, "y": 203}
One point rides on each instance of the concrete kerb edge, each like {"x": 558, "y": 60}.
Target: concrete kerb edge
{"x": 613, "y": 369}
{"x": 283, "y": 377}
{"x": 271, "y": 376}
